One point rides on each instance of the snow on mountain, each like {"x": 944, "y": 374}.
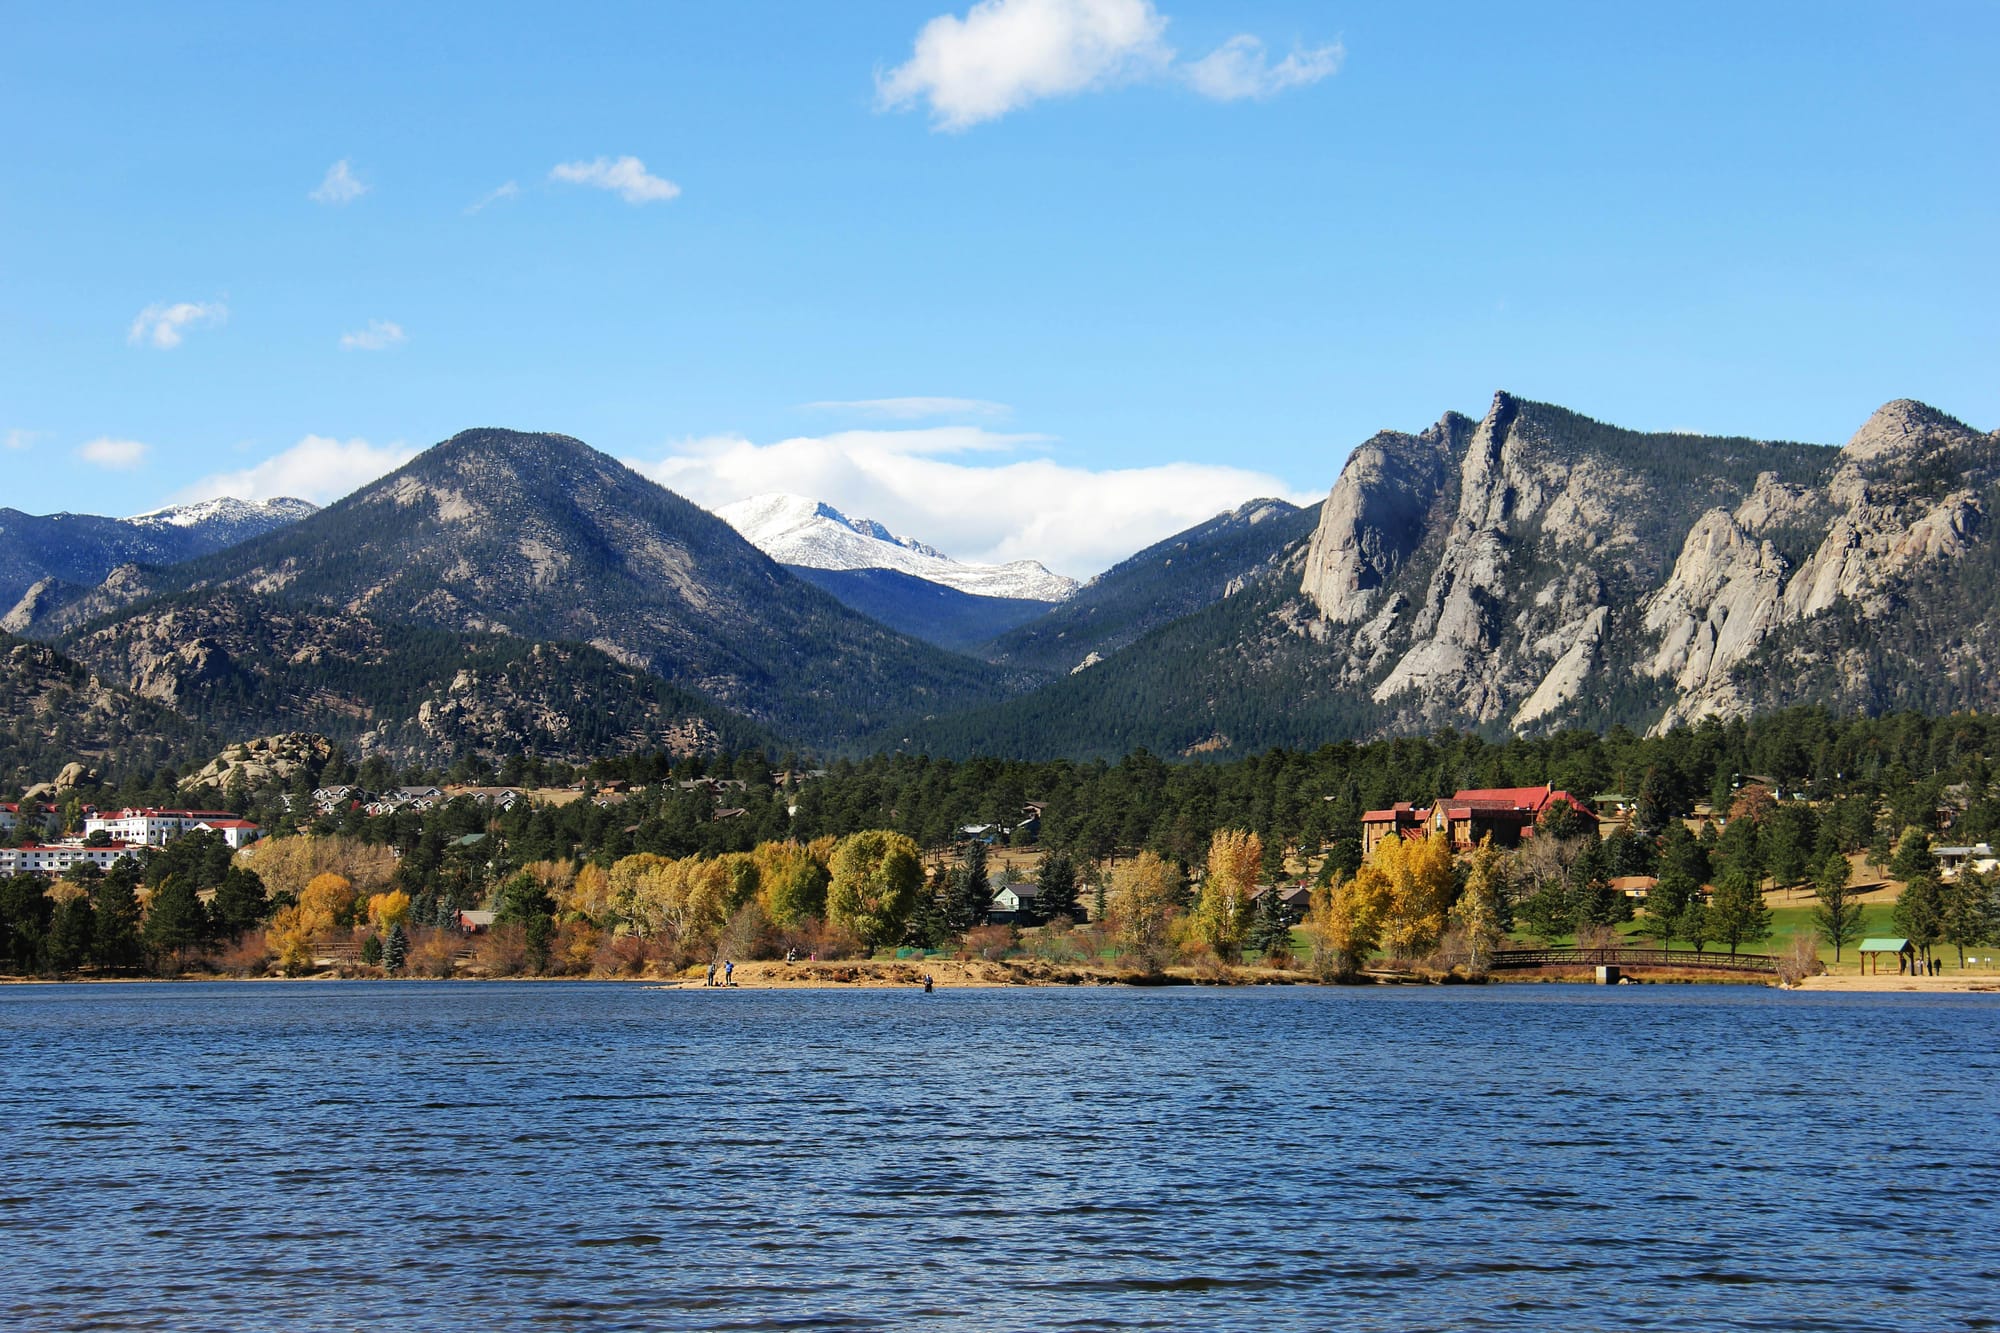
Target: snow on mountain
{"x": 794, "y": 530}
{"x": 225, "y": 512}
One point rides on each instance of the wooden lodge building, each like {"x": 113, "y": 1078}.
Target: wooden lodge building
{"x": 1505, "y": 814}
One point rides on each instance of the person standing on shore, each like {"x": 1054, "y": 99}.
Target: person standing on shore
{"x": 728, "y": 972}
{"x": 711, "y": 973}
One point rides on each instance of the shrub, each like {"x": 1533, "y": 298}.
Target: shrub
{"x": 989, "y": 942}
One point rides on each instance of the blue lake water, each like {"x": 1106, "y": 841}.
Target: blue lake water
{"x": 554, "y": 1156}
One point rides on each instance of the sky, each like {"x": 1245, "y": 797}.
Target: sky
{"x": 1040, "y": 279}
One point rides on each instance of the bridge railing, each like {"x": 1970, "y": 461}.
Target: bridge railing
{"x": 1574, "y": 957}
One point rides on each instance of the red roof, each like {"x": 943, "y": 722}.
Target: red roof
{"x": 228, "y": 823}
{"x": 1536, "y": 799}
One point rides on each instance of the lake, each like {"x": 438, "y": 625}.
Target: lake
{"x": 553, "y": 1156}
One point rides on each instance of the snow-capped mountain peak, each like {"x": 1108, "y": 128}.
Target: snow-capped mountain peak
{"x": 226, "y": 511}
{"x": 796, "y": 530}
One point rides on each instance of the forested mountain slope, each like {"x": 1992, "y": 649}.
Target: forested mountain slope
{"x": 1538, "y": 569}
{"x": 538, "y": 537}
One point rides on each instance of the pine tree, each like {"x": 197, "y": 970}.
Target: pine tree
{"x": 240, "y": 901}
{"x": 1838, "y": 916}
{"x": 1968, "y": 912}
{"x": 1270, "y": 932}
{"x": 175, "y": 921}
{"x": 1056, "y": 888}
{"x": 117, "y": 902}
{"x": 1738, "y": 912}
{"x": 969, "y": 891}
{"x": 396, "y": 949}
{"x": 1919, "y": 913}
{"x": 71, "y": 934}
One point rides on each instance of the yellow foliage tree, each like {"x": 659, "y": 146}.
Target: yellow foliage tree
{"x": 875, "y": 877}
{"x": 682, "y": 900}
{"x": 791, "y": 884}
{"x": 590, "y": 894}
{"x": 1344, "y": 921}
{"x": 325, "y": 905}
{"x": 623, "y": 883}
{"x": 1481, "y": 908}
{"x": 389, "y": 909}
{"x": 1144, "y": 902}
{"x": 1223, "y": 909}
{"x": 1420, "y": 892}
{"x": 287, "y": 865}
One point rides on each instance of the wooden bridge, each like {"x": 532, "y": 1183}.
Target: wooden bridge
{"x": 1629, "y": 958}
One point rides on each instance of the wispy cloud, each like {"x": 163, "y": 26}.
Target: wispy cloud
{"x": 1007, "y": 54}
{"x": 317, "y": 468}
{"x": 494, "y": 196}
{"x": 340, "y": 186}
{"x": 163, "y": 325}
{"x": 21, "y": 439}
{"x": 380, "y": 335}
{"x": 911, "y": 409}
{"x": 1240, "y": 68}
{"x": 969, "y": 491}
{"x": 117, "y": 455}
{"x": 627, "y": 176}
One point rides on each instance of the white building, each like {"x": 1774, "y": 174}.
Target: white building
{"x": 10, "y": 816}
{"x": 157, "y": 828}
{"x": 238, "y": 833}
{"x": 55, "y": 860}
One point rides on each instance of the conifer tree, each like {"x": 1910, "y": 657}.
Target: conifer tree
{"x": 969, "y": 891}
{"x": 175, "y": 920}
{"x": 1968, "y": 918}
{"x": 72, "y": 933}
{"x": 1919, "y": 913}
{"x": 1838, "y": 916}
{"x": 1738, "y": 912}
{"x": 117, "y": 902}
{"x": 395, "y": 949}
{"x": 1270, "y": 932}
{"x": 1056, "y": 887}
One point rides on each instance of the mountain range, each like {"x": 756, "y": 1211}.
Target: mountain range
{"x": 1529, "y": 570}
{"x": 49, "y": 559}
{"x": 900, "y": 581}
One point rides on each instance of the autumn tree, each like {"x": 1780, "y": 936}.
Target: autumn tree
{"x": 1421, "y": 892}
{"x": 1144, "y": 900}
{"x": 1481, "y": 910}
{"x": 1345, "y": 921}
{"x": 875, "y": 877}
{"x": 326, "y": 905}
{"x": 1222, "y": 909}
{"x": 791, "y": 884}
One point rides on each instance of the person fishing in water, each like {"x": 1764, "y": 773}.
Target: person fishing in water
{"x": 928, "y": 983}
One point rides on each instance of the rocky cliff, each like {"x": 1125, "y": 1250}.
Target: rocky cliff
{"x": 1541, "y": 568}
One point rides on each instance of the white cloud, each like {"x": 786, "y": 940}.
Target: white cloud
{"x": 912, "y": 409}
{"x": 118, "y": 455}
{"x": 626, "y": 175}
{"x": 934, "y": 484}
{"x": 163, "y": 325}
{"x": 494, "y": 196}
{"x": 1239, "y": 68}
{"x": 317, "y": 468}
{"x": 378, "y": 336}
{"x": 340, "y": 186}
{"x": 1005, "y": 54}
{"x": 21, "y": 439}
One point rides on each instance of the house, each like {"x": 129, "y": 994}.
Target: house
{"x": 1013, "y": 904}
{"x": 1508, "y": 815}
{"x": 475, "y": 923}
{"x": 1633, "y": 886}
{"x": 151, "y": 827}
{"x": 11, "y": 814}
{"x": 1953, "y": 860}
{"x": 238, "y": 833}
{"x": 56, "y": 859}
{"x": 1297, "y": 898}
{"x": 1399, "y": 820}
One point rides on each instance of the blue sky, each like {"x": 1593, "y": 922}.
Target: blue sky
{"x": 1164, "y": 255}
